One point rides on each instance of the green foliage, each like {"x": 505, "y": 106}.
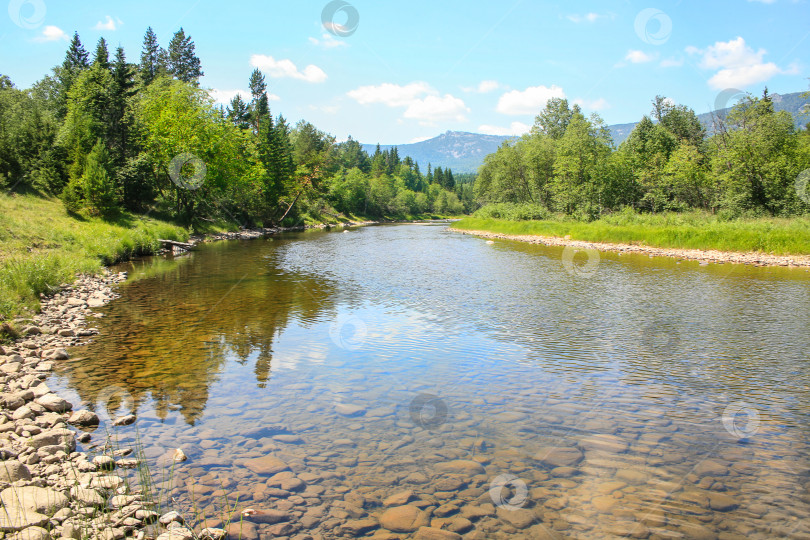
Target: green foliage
{"x": 567, "y": 164}
{"x": 99, "y": 190}
{"x": 513, "y": 211}
{"x": 689, "y": 230}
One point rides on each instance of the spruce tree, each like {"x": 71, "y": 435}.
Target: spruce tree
{"x": 153, "y": 57}
{"x": 183, "y": 62}
{"x": 76, "y": 61}
{"x": 239, "y": 112}
{"x": 102, "y": 55}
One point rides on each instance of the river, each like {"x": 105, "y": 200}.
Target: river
{"x": 618, "y": 396}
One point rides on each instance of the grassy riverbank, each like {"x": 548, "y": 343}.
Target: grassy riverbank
{"x": 694, "y": 230}
{"x": 42, "y": 246}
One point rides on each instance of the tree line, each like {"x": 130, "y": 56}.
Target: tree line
{"x": 749, "y": 165}
{"x": 106, "y": 135}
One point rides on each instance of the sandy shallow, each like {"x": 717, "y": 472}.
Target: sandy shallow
{"x": 755, "y": 259}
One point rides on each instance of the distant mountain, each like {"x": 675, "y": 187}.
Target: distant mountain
{"x": 464, "y": 152}
{"x": 459, "y": 150}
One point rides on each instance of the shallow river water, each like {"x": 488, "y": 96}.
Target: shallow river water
{"x": 517, "y": 392}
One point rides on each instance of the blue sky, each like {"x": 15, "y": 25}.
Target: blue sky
{"x": 408, "y": 71}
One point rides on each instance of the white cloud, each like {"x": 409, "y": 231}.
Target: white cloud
{"x": 671, "y": 62}
{"x": 421, "y": 101}
{"x": 225, "y": 96}
{"x": 639, "y": 57}
{"x": 393, "y": 95}
{"x": 592, "y": 105}
{"x": 109, "y": 24}
{"x": 737, "y": 64}
{"x": 420, "y": 139}
{"x": 328, "y": 41}
{"x": 483, "y": 87}
{"x": 529, "y": 101}
{"x": 326, "y": 109}
{"x": 51, "y": 33}
{"x": 588, "y": 17}
{"x": 279, "y": 69}
{"x": 515, "y": 128}
{"x": 435, "y": 108}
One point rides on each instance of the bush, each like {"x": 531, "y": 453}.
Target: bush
{"x": 513, "y": 211}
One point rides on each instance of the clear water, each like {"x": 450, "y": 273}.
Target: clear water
{"x": 371, "y": 361}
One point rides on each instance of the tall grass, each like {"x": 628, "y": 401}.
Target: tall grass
{"x": 41, "y": 246}
{"x": 693, "y": 230}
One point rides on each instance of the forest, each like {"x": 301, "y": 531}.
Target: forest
{"x": 752, "y": 163}
{"x": 107, "y": 135}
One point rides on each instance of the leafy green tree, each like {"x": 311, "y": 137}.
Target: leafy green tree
{"x": 555, "y": 117}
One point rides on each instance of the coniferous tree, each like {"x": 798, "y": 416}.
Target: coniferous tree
{"x": 259, "y": 106}
{"x": 76, "y": 61}
{"x": 102, "y": 55}
{"x": 153, "y": 57}
{"x": 182, "y": 60}
{"x": 238, "y": 112}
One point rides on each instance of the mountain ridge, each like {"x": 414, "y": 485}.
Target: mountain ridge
{"x": 464, "y": 151}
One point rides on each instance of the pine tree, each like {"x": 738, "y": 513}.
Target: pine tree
{"x": 76, "y": 61}
{"x": 98, "y": 186}
{"x": 239, "y": 112}
{"x": 76, "y": 58}
{"x": 153, "y": 57}
{"x": 102, "y": 55}
{"x": 183, "y": 62}
{"x": 259, "y": 106}
{"x": 438, "y": 176}
{"x": 449, "y": 181}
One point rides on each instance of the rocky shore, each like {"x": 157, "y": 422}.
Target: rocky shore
{"x": 707, "y": 256}
{"x": 49, "y": 489}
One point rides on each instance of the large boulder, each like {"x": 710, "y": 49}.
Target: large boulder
{"x": 404, "y": 519}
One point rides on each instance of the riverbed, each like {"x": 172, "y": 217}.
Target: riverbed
{"x": 494, "y": 389}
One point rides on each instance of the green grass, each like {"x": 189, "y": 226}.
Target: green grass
{"x": 41, "y": 246}
{"x": 693, "y": 230}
